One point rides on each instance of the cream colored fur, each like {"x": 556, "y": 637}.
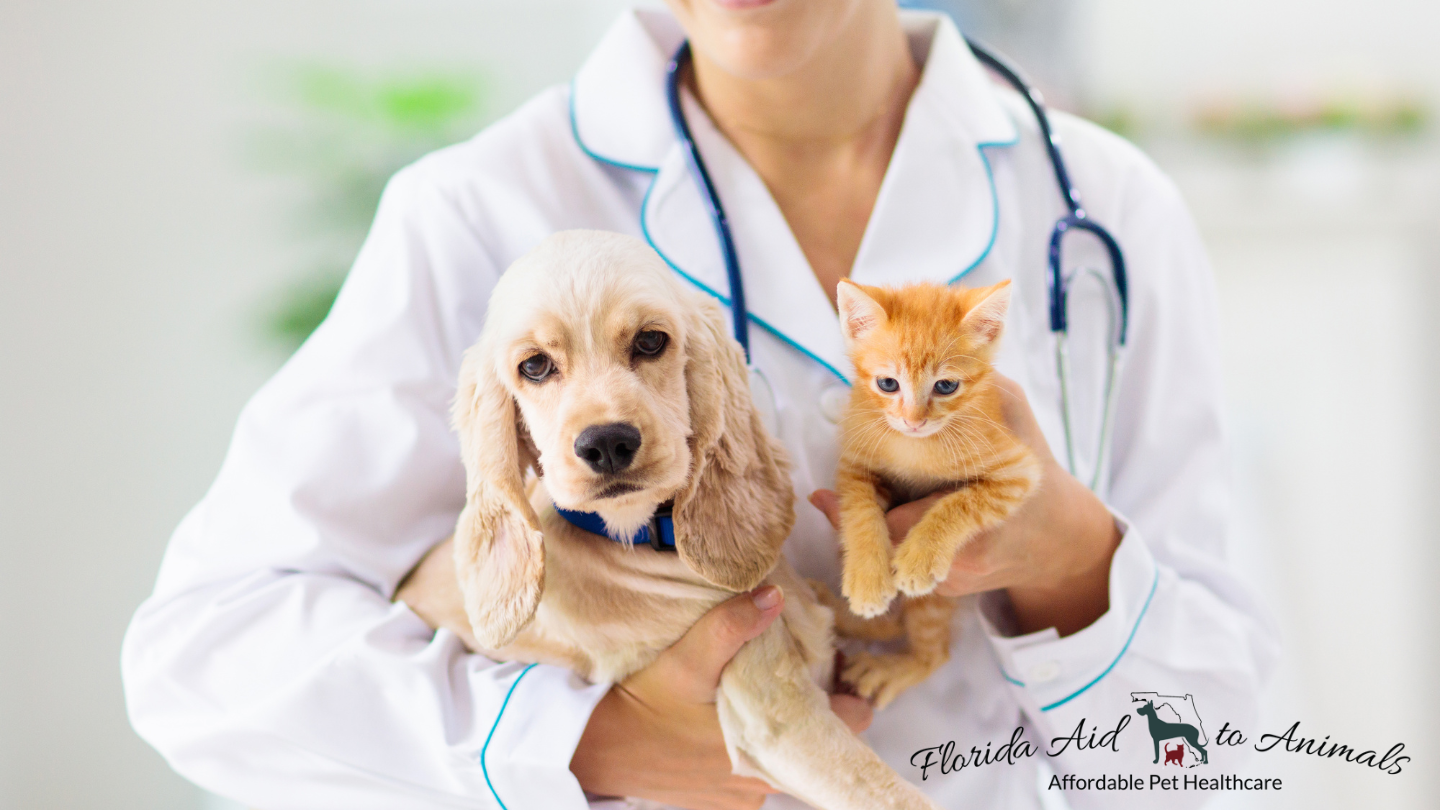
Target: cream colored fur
{"x": 539, "y": 589}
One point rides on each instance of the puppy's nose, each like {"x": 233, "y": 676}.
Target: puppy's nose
{"x": 608, "y": 448}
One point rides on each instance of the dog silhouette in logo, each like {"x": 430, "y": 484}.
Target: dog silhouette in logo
{"x": 1161, "y": 731}
{"x": 1176, "y": 756}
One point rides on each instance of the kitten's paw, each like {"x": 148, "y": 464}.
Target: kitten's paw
{"x": 881, "y": 678}
{"x": 868, "y": 588}
{"x": 920, "y": 566}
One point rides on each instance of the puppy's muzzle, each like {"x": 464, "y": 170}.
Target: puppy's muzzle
{"x": 608, "y": 448}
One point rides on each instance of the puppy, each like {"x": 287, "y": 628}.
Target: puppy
{"x": 619, "y": 387}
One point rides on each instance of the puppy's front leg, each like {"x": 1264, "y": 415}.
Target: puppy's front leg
{"x": 779, "y": 726}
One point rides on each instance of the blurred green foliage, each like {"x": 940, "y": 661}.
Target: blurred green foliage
{"x": 337, "y": 135}
{"x": 1259, "y": 124}
{"x": 1264, "y": 124}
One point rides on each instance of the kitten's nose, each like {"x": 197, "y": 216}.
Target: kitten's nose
{"x": 915, "y": 424}
{"x": 608, "y": 448}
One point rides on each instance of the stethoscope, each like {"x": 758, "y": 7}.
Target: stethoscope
{"x": 1057, "y": 280}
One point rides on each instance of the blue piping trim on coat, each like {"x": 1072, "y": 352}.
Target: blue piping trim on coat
{"x": 645, "y": 229}
{"x": 575, "y": 133}
{"x": 486, "y": 746}
{"x": 1133, "y": 630}
{"x": 994, "y": 204}
{"x": 1007, "y": 677}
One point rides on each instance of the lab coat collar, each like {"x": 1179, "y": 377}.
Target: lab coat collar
{"x": 617, "y": 99}
{"x": 935, "y": 218}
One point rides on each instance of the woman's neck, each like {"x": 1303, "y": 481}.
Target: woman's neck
{"x": 821, "y": 135}
{"x": 852, "y": 83}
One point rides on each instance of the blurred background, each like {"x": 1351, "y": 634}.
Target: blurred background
{"x": 183, "y": 185}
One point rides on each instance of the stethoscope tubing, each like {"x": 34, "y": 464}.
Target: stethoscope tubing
{"x": 1077, "y": 219}
{"x": 738, "y": 312}
{"x": 1057, "y": 281}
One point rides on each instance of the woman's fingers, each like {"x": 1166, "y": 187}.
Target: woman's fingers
{"x": 829, "y": 504}
{"x": 691, "y": 667}
{"x": 856, "y": 713}
{"x": 899, "y": 520}
{"x": 1020, "y": 418}
{"x": 657, "y": 736}
{"x": 903, "y": 518}
{"x": 432, "y": 591}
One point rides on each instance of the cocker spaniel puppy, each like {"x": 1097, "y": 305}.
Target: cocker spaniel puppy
{"x": 620, "y": 388}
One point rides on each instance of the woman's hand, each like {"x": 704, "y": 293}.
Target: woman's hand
{"x": 432, "y": 591}
{"x": 655, "y": 735}
{"x": 1052, "y": 556}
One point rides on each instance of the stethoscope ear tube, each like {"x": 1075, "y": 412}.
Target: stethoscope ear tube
{"x": 1058, "y": 284}
{"x": 1114, "y": 359}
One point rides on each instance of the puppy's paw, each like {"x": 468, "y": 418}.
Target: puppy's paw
{"x": 881, "y": 678}
{"x": 920, "y": 566}
{"x": 868, "y": 588}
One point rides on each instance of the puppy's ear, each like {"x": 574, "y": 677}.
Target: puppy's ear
{"x": 499, "y": 550}
{"x": 737, "y": 506}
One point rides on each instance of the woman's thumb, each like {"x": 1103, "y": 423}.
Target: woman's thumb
{"x": 829, "y": 504}
{"x": 692, "y": 665}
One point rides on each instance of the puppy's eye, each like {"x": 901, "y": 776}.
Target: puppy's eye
{"x": 651, "y": 343}
{"x": 536, "y": 368}
{"x": 946, "y": 387}
{"x": 887, "y": 384}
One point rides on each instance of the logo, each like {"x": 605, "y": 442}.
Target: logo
{"x": 1174, "y": 724}
{"x": 1174, "y": 717}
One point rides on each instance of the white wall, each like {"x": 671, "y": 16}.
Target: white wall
{"x": 1329, "y": 353}
{"x": 1165, "y": 56}
{"x": 1326, "y": 250}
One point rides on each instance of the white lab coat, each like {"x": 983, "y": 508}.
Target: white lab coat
{"x": 270, "y": 664}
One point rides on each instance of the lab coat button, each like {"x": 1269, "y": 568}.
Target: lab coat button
{"x": 1041, "y": 673}
{"x": 833, "y": 402}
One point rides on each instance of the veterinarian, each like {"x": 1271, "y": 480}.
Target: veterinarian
{"x": 274, "y": 663}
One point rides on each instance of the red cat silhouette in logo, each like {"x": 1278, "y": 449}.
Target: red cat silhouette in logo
{"x": 1174, "y": 717}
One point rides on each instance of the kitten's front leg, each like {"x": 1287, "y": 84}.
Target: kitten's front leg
{"x": 886, "y": 627}
{"x": 867, "y": 581}
{"x": 923, "y": 560}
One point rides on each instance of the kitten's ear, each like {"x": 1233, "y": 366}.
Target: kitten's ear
{"x": 860, "y": 314}
{"x": 986, "y": 318}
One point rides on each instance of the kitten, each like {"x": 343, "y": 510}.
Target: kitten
{"x": 924, "y": 416}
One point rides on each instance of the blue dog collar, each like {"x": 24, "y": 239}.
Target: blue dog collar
{"x": 659, "y": 534}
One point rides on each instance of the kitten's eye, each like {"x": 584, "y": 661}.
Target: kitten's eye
{"x": 651, "y": 343}
{"x": 887, "y": 384}
{"x": 946, "y": 387}
{"x": 536, "y": 368}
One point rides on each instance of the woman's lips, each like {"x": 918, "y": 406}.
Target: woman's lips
{"x": 741, "y": 5}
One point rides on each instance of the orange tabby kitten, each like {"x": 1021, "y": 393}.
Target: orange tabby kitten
{"x": 923, "y": 417}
